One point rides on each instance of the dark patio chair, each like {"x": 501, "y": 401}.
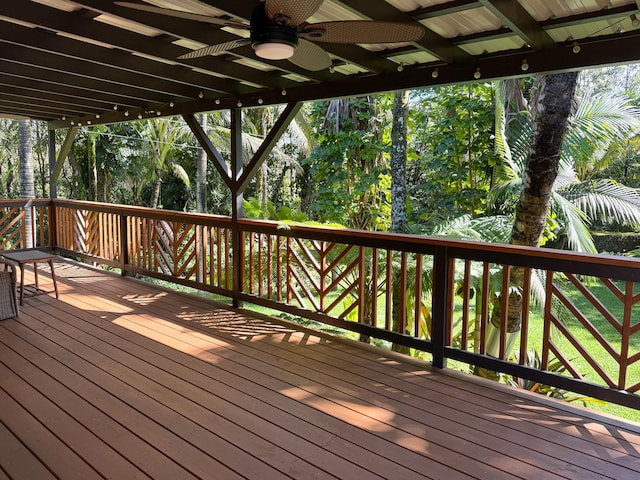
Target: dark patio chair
{"x": 8, "y": 291}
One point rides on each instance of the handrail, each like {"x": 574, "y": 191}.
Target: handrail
{"x": 434, "y": 295}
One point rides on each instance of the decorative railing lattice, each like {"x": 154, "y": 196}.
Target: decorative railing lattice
{"x": 577, "y": 319}
{"x": 24, "y": 224}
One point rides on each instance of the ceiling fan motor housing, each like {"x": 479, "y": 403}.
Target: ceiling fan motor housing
{"x": 264, "y": 30}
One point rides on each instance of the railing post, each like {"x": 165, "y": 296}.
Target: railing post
{"x": 440, "y": 306}
{"x": 124, "y": 244}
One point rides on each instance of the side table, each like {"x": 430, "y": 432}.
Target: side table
{"x": 32, "y": 256}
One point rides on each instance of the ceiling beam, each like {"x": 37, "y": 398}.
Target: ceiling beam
{"x": 45, "y": 76}
{"x": 114, "y": 65}
{"x": 431, "y": 42}
{"x": 58, "y": 89}
{"x": 79, "y": 26}
{"x": 52, "y": 61}
{"x": 514, "y": 16}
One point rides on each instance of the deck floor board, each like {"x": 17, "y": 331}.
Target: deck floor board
{"x": 120, "y": 379}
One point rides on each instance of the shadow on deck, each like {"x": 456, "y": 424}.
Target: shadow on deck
{"x": 119, "y": 379}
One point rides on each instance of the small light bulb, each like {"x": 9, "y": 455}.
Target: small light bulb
{"x": 97, "y": 115}
{"x": 239, "y": 104}
{"x": 72, "y": 122}
{"x": 260, "y": 101}
{"x": 634, "y": 20}
{"x": 576, "y": 47}
{"x": 158, "y": 113}
{"x": 140, "y": 116}
{"x": 332, "y": 69}
{"x": 126, "y": 113}
{"x": 64, "y": 117}
{"x": 217, "y": 101}
{"x": 284, "y": 91}
{"x": 435, "y": 73}
{"x": 79, "y": 124}
{"x": 171, "y": 104}
{"x": 477, "y": 73}
{"x": 400, "y": 66}
{"x": 115, "y": 107}
{"x": 88, "y": 122}
{"x": 200, "y": 95}
{"x": 525, "y": 65}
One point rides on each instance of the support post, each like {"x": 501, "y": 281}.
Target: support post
{"x": 440, "y": 305}
{"x": 236, "y": 203}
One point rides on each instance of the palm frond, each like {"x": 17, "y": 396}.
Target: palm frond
{"x": 576, "y": 226}
{"x": 605, "y": 200}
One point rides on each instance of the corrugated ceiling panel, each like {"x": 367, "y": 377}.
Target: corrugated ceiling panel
{"x": 494, "y": 45}
{"x": 545, "y": 9}
{"x": 59, "y": 4}
{"x": 331, "y": 12}
{"x": 410, "y": 5}
{"x": 414, "y": 58}
{"x": 463, "y": 23}
{"x": 127, "y": 25}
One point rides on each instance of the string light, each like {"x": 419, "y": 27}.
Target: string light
{"x": 576, "y": 47}
{"x": 400, "y": 66}
{"x": 435, "y": 73}
{"x": 171, "y": 104}
{"x": 126, "y": 113}
{"x": 88, "y": 122}
{"x": 97, "y": 115}
{"x": 217, "y": 101}
{"x": 332, "y": 69}
{"x": 139, "y": 116}
{"x": 260, "y": 101}
{"x": 634, "y": 20}
{"x": 525, "y": 65}
{"x": 158, "y": 113}
{"x": 477, "y": 73}
{"x": 284, "y": 91}
{"x": 72, "y": 122}
{"x": 239, "y": 104}
{"x": 64, "y": 117}
{"x": 200, "y": 94}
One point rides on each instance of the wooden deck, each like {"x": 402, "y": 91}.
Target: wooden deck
{"x": 121, "y": 380}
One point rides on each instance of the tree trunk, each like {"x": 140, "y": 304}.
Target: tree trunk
{"x": 155, "y": 192}
{"x": 399, "y": 219}
{"x": 27, "y": 188}
{"x": 201, "y": 173}
{"x": 551, "y": 106}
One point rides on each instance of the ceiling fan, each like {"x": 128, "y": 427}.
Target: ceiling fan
{"x": 279, "y": 31}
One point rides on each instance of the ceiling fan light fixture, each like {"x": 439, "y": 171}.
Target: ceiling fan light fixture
{"x": 274, "y": 50}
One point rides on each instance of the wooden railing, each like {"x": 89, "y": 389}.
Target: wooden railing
{"x": 24, "y": 224}
{"x": 579, "y": 313}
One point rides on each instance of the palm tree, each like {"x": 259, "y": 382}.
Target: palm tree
{"x": 598, "y": 123}
{"x": 160, "y": 136}
{"x": 27, "y": 187}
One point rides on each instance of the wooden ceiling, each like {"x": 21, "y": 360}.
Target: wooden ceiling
{"x": 92, "y": 61}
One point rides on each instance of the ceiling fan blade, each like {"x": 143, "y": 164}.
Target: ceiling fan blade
{"x": 362, "y": 31}
{"x": 218, "y": 48}
{"x": 310, "y": 56}
{"x": 297, "y": 11}
{"x": 180, "y": 14}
